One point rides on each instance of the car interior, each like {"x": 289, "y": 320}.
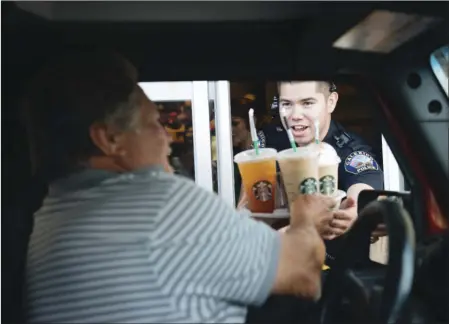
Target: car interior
{"x": 390, "y": 63}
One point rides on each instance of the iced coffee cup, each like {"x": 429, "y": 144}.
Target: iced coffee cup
{"x": 259, "y": 178}
{"x": 299, "y": 171}
{"x": 328, "y": 162}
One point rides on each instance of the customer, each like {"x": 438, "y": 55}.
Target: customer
{"x": 120, "y": 240}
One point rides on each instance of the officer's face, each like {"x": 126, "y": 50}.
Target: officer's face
{"x": 303, "y": 103}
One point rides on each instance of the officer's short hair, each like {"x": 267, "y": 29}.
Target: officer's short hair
{"x": 326, "y": 87}
{"x": 67, "y": 97}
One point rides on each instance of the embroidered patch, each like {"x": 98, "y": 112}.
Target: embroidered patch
{"x": 262, "y": 141}
{"x": 359, "y": 161}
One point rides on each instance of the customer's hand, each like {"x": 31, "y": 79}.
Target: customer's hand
{"x": 312, "y": 210}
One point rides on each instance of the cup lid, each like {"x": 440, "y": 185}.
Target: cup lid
{"x": 301, "y": 152}
{"x": 328, "y": 155}
{"x": 250, "y": 155}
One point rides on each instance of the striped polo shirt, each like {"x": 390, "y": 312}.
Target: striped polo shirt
{"x": 144, "y": 247}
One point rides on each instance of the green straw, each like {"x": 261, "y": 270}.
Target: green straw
{"x": 252, "y": 127}
{"x": 317, "y": 131}
{"x": 292, "y": 140}
{"x": 256, "y": 147}
{"x": 289, "y": 131}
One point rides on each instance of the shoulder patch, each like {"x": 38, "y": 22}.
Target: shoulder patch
{"x": 360, "y": 161}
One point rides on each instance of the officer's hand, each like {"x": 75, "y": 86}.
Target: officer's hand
{"x": 243, "y": 202}
{"x": 344, "y": 218}
{"x": 168, "y": 168}
{"x": 312, "y": 210}
{"x": 379, "y": 232}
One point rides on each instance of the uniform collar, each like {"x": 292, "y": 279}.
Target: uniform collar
{"x": 333, "y": 129}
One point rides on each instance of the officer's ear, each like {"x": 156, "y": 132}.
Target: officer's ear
{"x": 332, "y": 102}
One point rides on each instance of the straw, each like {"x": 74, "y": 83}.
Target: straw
{"x": 289, "y": 130}
{"x": 252, "y": 127}
{"x": 317, "y": 131}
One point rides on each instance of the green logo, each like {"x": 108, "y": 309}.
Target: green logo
{"x": 308, "y": 186}
{"x": 327, "y": 185}
{"x": 262, "y": 191}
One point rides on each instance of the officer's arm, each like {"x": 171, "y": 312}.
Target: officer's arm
{"x": 243, "y": 199}
{"x": 360, "y": 171}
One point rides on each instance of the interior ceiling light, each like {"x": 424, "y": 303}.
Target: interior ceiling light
{"x": 383, "y": 31}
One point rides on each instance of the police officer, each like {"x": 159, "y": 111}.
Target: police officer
{"x": 303, "y": 102}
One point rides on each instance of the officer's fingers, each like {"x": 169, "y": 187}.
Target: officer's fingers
{"x": 243, "y": 201}
{"x": 349, "y": 202}
{"x": 373, "y": 239}
{"x": 379, "y": 234}
{"x": 381, "y": 230}
{"x": 283, "y": 229}
{"x": 381, "y": 227}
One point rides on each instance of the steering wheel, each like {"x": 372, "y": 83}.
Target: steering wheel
{"x": 375, "y": 305}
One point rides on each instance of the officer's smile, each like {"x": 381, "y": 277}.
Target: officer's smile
{"x": 299, "y": 130}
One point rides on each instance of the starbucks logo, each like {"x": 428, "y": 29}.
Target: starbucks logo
{"x": 327, "y": 185}
{"x": 263, "y": 191}
{"x": 308, "y": 186}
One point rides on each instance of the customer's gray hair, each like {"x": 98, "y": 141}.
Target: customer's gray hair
{"x": 71, "y": 95}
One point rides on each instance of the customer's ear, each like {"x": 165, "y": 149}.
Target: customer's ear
{"x": 332, "y": 102}
{"x": 105, "y": 139}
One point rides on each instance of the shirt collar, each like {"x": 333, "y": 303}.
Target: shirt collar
{"x": 331, "y": 132}
{"x": 89, "y": 178}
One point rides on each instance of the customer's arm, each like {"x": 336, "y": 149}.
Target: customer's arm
{"x": 225, "y": 255}
{"x": 302, "y": 249}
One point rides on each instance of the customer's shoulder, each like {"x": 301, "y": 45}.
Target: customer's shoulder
{"x": 164, "y": 183}
{"x": 185, "y": 192}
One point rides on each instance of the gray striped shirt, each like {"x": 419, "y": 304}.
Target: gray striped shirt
{"x": 144, "y": 247}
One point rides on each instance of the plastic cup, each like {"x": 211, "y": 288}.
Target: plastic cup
{"x": 259, "y": 178}
{"x": 338, "y": 197}
{"x": 299, "y": 171}
{"x": 328, "y": 162}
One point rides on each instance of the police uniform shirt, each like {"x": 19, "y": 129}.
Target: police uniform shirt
{"x": 358, "y": 161}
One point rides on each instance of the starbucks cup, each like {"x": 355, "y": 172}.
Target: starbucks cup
{"x": 328, "y": 162}
{"x": 299, "y": 171}
{"x": 258, "y": 173}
